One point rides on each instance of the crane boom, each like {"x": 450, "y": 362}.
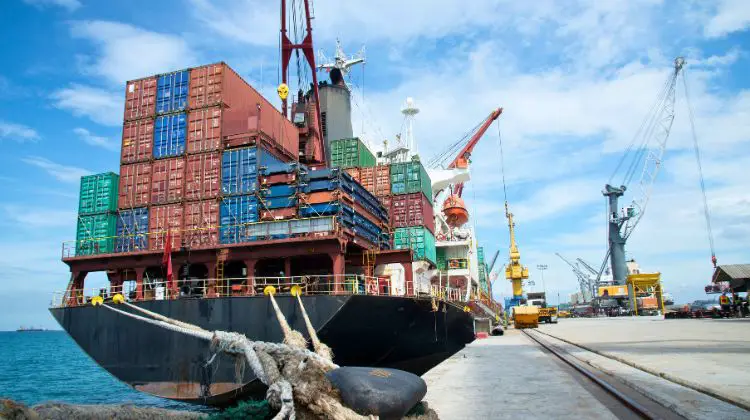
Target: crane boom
{"x": 462, "y": 159}
{"x": 585, "y": 282}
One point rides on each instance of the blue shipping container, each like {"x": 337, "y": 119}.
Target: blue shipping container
{"x": 279, "y": 202}
{"x": 172, "y": 92}
{"x": 234, "y": 213}
{"x": 239, "y": 169}
{"x": 131, "y": 230}
{"x": 169, "y": 135}
{"x": 282, "y": 190}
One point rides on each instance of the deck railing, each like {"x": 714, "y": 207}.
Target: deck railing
{"x": 312, "y": 285}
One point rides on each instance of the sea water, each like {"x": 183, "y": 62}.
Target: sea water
{"x": 47, "y": 366}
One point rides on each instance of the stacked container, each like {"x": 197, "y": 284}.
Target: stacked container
{"x": 412, "y": 215}
{"x": 351, "y": 153}
{"x": 96, "y": 214}
{"x": 482, "y": 269}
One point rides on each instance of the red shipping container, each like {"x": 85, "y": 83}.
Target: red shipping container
{"x": 386, "y": 200}
{"x": 137, "y": 140}
{"x": 140, "y": 98}
{"x": 204, "y": 130}
{"x": 376, "y": 180}
{"x": 135, "y": 185}
{"x": 201, "y": 224}
{"x": 162, "y": 219}
{"x": 167, "y": 180}
{"x": 202, "y": 176}
{"x": 412, "y": 210}
{"x": 279, "y": 214}
{"x": 354, "y": 172}
{"x": 279, "y": 179}
{"x": 245, "y": 114}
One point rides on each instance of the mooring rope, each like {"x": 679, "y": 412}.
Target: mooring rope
{"x": 320, "y": 348}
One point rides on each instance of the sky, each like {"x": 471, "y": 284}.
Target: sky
{"x": 575, "y": 78}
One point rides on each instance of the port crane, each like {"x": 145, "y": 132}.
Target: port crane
{"x": 646, "y": 152}
{"x": 515, "y": 271}
{"x": 586, "y": 281}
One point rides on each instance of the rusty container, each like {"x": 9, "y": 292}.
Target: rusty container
{"x": 204, "y": 129}
{"x": 135, "y": 185}
{"x": 376, "y": 179}
{"x": 203, "y": 176}
{"x": 246, "y": 115}
{"x": 137, "y": 140}
{"x": 201, "y": 224}
{"x": 140, "y": 99}
{"x": 167, "y": 180}
{"x": 412, "y": 210}
{"x": 162, "y": 219}
{"x": 279, "y": 214}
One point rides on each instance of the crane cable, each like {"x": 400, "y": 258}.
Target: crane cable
{"x": 502, "y": 160}
{"x": 706, "y": 213}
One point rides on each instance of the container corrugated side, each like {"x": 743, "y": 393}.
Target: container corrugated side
{"x": 135, "y": 185}
{"x": 412, "y": 210}
{"x": 137, "y": 140}
{"x": 204, "y": 129}
{"x": 95, "y": 234}
{"x": 239, "y": 169}
{"x": 140, "y": 99}
{"x": 410, "y": 177}
{"x": 169, "y": 135}
{"x": 98, "y": 193}
{"x": 132, "y": 230}
{"x": 167, "y": 180}
{"x": 162, "y": 219}
{"x": 172, "y": 91}
{"x": 418, "y": 239}
{"x": 202, "y": 176}
{"x": 349, "y": 153}
{"x": 236, "y": 213}
{"x": 201, "y": 224}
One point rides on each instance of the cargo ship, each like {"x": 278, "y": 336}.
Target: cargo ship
{"x": 220, "y": 195}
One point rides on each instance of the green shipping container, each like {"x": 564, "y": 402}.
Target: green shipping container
{"x": 351, "y": 153}
{"x": 98, "y": 193}
{"x": 410, "y": 177}
{"x": 419, "y": 239}
{"x": 441, "y": 263}
{"x": 95, "y": 234}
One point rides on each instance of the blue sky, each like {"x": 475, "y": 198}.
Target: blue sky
{"x": 575, "y": 78}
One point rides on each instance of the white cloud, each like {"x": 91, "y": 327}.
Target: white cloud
{"x": 17, "y": 132}
{"x": 94, "y": 140}
{"x": 730, "y": 16}
{"x": 71, "y": 5}
{"x": 62, "y": 173}
{"x": 34, "y": 218}
{"x": 101, "y": 106}
{"x": 127, "y": 52}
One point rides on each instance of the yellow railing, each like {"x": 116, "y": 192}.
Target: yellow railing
{"x": 345, "y": 284}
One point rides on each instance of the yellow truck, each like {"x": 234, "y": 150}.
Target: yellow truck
{"x": 525, "y": 317}
{"x": 547, "y": 314}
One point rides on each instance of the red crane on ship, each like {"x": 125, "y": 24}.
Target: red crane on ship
{"x": 454, "y": 207}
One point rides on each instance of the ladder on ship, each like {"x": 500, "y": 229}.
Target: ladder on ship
{"x": 221, "y": 258}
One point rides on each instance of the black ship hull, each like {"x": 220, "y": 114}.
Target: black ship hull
{"x": 395, "y": 332}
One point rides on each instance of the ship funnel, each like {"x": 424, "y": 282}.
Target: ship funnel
{"x": 336, "y": 77}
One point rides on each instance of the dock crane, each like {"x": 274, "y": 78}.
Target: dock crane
{"x": 515, "y": 271}
{"x": 646, "y": 152}
{"x": 586, "y": 282}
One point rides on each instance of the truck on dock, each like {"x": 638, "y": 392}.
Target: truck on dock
{"x": 547, "y": 314}
{"x": 525, "y": 317}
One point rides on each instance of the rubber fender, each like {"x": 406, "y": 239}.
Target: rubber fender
{"x": 386, "y": 393}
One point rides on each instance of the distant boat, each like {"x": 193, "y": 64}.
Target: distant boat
{"x": 25, "y": 329}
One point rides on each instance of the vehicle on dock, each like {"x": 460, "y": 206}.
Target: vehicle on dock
{"x": 525, "y": 317}
{"x": 547, "y": 314}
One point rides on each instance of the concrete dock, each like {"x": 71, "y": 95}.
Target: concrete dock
{"x": 511, "y": 376}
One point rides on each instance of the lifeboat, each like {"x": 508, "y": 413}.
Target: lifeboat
{"x": 455, "y": 211}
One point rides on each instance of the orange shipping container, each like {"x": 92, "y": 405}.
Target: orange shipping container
{"x": 204, "y": 130}
{"x": 140, "y": 98}
{"x": 202, "y": 176}
{"x": 137, "y": 140}
{"x": 167, "y": 180}
{"x": 135, "y": 185}
{"x": 201, "y": 224}
{"x": 162, "y": 219}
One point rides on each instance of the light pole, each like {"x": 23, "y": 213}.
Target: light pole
{"x": 541, "y": 268}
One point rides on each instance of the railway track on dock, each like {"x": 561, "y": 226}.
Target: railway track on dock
{"x": 624, "y": 401}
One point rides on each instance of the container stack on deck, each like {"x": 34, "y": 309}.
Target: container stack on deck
{"x": 96, "y": 214}
{"x": 204, "y": 155}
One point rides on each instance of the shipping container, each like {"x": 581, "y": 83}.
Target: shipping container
{"x": 172, "y": 92}
{"x": 135, "y": 185}
{"x": 236, "y": 213}
{"x": 169, "y": 135}
{"x": 98, "y": 193}
{"x": 348, "y": 153}
{"x": 165, "y": 221}
{"x": 376, "y": 179}
{"x": 279, "y": 191}
{"x": 201, "y": 224}
{"x": 204, "y": 130}
{"x": 95, "y": 234}
{"x": 440, "y": 261}
{"x": 239, "y": 169}
{"x": 412, "y": 210}
{"x": 279, "y": 179}
{"x": 132, "y": 230}
{"x": 167, "y": 180}
{"x": 273, "y": 203}
{"x": 279, "y": 214}
{"x": 140, "y": 99}
{"x": 137, "y": 140}
{"x": 418, "y": 239}
{"x": 410, "y": 177}
{"x": 245, "y": 112}
{"x": 202, "y": 173}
